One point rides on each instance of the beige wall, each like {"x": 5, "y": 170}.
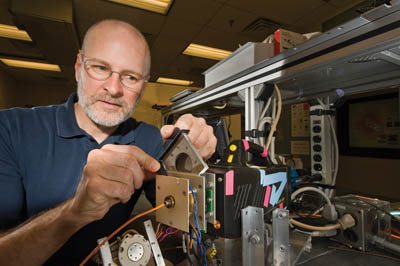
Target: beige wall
{"x": 155, "y": 93}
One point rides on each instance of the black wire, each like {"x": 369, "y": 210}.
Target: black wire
{"x": 376, "y": 207}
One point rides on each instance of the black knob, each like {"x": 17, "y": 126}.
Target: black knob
{"x": 317, "y": 148}
{"x": 317, "y": 167}
{"x": 317, "y": 157}
{"x": 316, "y": 129}
{"x": 317, "y": 138}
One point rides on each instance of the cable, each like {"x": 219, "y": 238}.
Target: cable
{"x": 199, "y": 243}
{"x": 278, "y": 114}
{"x": 91, "y": 254}
{"x": 304, "y": 189}
{"x": 315, "y": 228}
{"x": 377, "y": 207}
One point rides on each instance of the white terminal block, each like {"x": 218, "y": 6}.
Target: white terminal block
{"x": 321, "y": 146}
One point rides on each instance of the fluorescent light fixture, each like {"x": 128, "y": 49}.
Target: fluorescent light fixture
{"x": 13, "y": 33}
{"x": 158, "y": 6}
{"x": 206, "y": 52}
{"x": 30, "y": 64}
{"x": 175, "y": 81}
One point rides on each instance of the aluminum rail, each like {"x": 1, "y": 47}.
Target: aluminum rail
{"x": 354, "y": 57}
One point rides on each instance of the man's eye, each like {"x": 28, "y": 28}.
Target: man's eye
{"x": 130, "y": 77}
{"x": 100, "y": 68}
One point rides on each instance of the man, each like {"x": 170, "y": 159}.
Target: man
{"x": 79, "y": 168}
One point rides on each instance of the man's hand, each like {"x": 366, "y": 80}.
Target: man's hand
{"x": 111, "y": 175}
{"x": 201, "y": 134}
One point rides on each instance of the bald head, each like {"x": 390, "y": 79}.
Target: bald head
{"x": 102, "y": 30}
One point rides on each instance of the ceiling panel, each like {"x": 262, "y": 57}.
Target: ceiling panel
{"x": 18, "y": 48}
{"x": 194, "y": 11}
{"x": 223, "y": 24}
{"x": 222, "y": 40}
{"x": 90, "y": 11}
{"x": 285, "y": 12}
{"x": 5, "y": 16}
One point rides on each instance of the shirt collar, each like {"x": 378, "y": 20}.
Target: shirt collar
{"x": 67, "y": 127}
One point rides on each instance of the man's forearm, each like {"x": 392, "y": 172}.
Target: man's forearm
{"x": 35, "y": 241}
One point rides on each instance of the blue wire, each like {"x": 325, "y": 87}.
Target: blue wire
{"x": 199, "y": 243}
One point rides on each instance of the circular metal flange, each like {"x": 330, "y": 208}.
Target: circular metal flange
{"x": 134, "y": 251}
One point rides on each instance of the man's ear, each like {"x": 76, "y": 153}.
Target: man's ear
{"x": 78, "y": 64}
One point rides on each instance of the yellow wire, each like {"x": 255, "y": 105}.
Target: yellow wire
{"x": 117, "y": 230}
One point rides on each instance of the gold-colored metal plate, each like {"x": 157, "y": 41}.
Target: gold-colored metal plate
{"x": 198, "y": 185}
{"x": 178, "y": 216}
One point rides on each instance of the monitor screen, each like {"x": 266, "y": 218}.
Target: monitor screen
{"x": 370, "y": 126}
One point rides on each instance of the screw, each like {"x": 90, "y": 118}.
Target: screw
{"x": 255, "y": 239}
{"x": 282, "y": 248}
{"x": 282, "y": 215}
{"x": 158, "y": 187}
{"x": 219, "y": 179}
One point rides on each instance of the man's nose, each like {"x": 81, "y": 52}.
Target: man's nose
{"x": 113, "y": 84}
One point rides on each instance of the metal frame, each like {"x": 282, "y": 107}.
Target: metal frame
{"x": 374, "y": 32}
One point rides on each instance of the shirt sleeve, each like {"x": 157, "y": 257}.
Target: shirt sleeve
{"x": 11, "y": 186}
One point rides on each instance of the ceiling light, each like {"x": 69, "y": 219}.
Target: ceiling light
{"x": 175, "y": 81}
{"x": 206, "y": 52}
{"x": 158, "y": 6}
{"x": 30, "y": 64}
{"x": 14, "y": 33}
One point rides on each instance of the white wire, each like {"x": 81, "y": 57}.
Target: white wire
{"x": 304, "y": 189}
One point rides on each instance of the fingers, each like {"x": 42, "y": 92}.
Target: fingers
{"x": 200, "y": 134}
{"x": 111, "y": 175}
{"x": 166, "y": 131}
{"x": 126, "y": 155}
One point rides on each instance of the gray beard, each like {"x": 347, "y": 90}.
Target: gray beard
{"x": 90, "y": 111}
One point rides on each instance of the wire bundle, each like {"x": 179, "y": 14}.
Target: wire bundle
{"x": 200, "y": 245}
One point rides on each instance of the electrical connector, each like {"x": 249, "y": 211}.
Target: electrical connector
{"x": 169, "y": 202}
{"x": 330, "y": 213}
{"x": 347, "y": 221}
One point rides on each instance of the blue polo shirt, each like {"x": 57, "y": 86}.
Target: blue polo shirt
{"x": 42, "y": 155}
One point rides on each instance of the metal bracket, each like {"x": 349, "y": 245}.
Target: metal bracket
{"x": 105, "y": 253}
{"x": 252, "y": 236}
{"x": 158, "y": 258}
{"x": 280, "y": 234}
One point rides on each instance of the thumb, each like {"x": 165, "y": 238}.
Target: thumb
{"x": 166, "y": 131}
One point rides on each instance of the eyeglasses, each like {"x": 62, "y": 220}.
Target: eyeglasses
{"x": 100, "y": 70}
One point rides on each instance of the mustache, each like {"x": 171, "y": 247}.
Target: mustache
{"x": 108, "y": 98}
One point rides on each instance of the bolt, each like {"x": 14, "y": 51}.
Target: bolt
{"x": 282, "y": 215}
{"x": 219, "y": 179}
{"x": 121, "y": 249}
{"x": 282, "y": 248}
{"x": 255, "y": 239}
